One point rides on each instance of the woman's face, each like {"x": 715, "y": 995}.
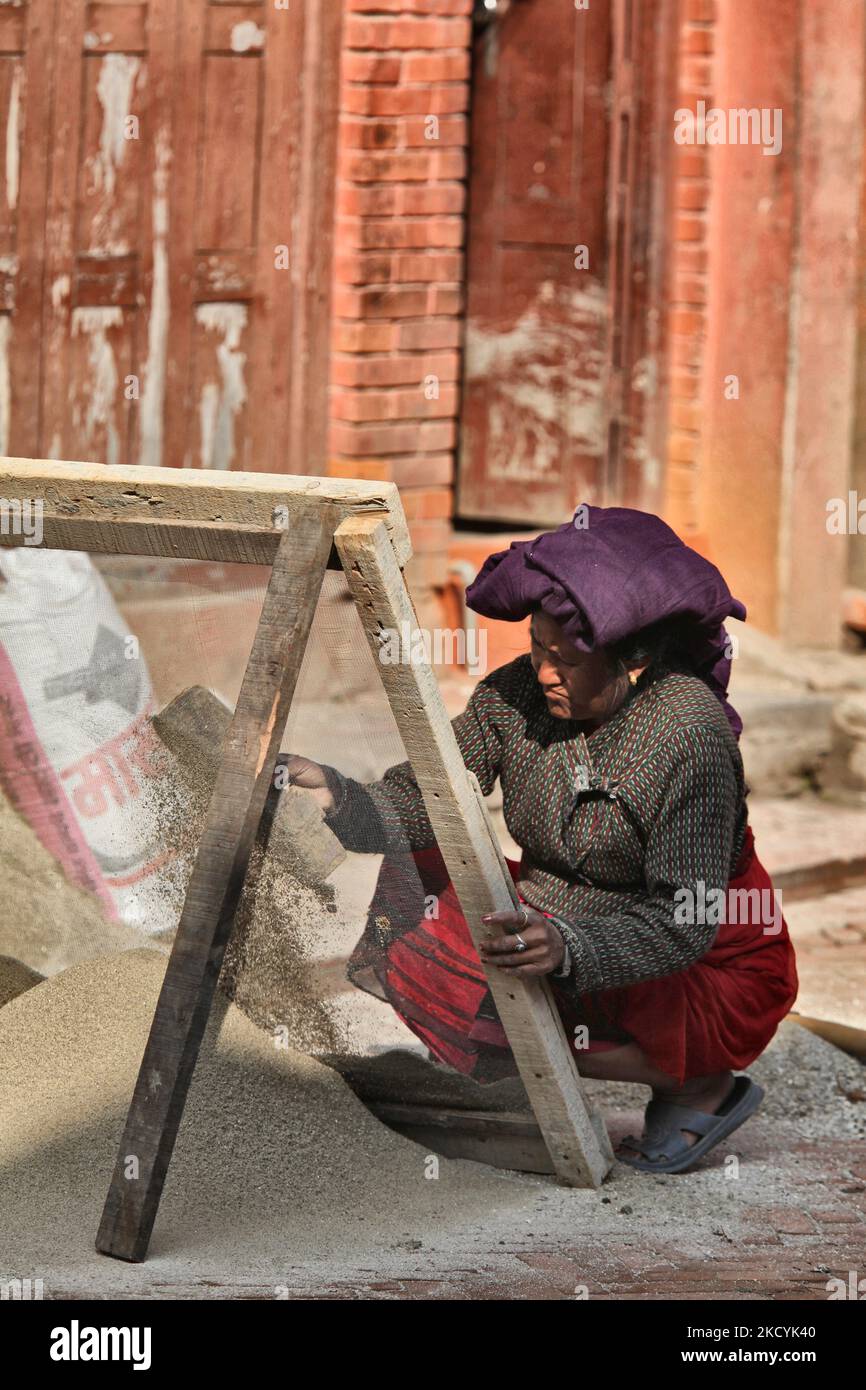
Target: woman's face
{"x": 576, "y": 685}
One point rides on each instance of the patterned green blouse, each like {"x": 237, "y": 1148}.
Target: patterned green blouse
{"x": 611, "y": 823}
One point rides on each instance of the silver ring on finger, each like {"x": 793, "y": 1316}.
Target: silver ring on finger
{"x": 521, "y": 944}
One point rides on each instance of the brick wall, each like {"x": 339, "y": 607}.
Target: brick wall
{"x": 398, "y": 292}
{"x": 689, "y": 271}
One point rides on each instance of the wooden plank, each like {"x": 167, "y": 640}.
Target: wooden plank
{"x": 225, "y": 204}
{"x": 842, "y": 1035}
{"x": 174, "y": 540}
{"x": 575, "y": 1133}
{"x": 642, "y": 424}
{"x": 155, "y": 323}
{"x": 240, "y": 790}
{"x": 224, "y": 505}
{"x": 504, "y": 1139}
{"x": 274, "y": 360}
{"x": 825, "y": 876}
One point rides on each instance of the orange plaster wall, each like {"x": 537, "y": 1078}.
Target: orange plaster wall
{"x": 751, "y": 247}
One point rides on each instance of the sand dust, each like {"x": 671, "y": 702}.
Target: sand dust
{"x": 267, "y": 969}
{"x": 47, "y": 922}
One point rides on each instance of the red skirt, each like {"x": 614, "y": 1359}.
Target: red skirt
{"x": 717, "y": 1015}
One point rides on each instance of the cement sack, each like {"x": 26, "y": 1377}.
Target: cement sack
{"x": 77, "y": 750}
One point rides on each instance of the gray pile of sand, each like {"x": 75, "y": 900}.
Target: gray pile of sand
{"x": 812, "y": 1084}
{"x": 277, "y": 1163}
{"x": 811, "y": 1088}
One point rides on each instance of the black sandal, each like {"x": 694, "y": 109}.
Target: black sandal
{"x": 665, "y": 1149}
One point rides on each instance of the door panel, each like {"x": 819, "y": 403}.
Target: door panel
{"x": 534, "y": 433}
{"x": 168, "y": 307}
{"x": 564, "y": 381}
{"x": 96, "y": 375}
{"x": 27, "y": 61}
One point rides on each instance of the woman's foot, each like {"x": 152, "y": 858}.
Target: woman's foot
{"x": 706, "y": 1093}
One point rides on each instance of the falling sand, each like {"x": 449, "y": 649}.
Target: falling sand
{"x": 266, "y": 970}
{"x": 47, "y": 922}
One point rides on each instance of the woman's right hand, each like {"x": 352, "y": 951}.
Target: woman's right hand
{"x": 303, "y": 772}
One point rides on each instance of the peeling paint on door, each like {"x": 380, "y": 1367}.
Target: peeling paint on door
{"x": 59, "y": 291}
{"x": 12, "y": 140}
{"x": 117, "y": 75}
{"x": 108, "y": 203}
{"x": 220, "y": 401}
{"x": 153, "y": 393}
{"x": 544, "y": 375}
{"x": 96, "y": 410}
{"x": 247, "y": 35}
{"x": 93, "y": 40}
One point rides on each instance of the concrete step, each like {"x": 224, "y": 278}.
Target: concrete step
{"x": 786, "y": 739}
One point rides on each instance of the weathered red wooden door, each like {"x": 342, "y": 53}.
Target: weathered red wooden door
{"x": 555, "y": 188}
{"x": 533, "y": 432}
{"x": 174, "y": 255}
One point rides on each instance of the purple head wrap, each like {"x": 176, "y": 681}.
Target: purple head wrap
{"x": 607, "y": 574}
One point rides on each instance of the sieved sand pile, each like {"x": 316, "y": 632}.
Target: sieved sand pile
{"x": 277, "y": 1163}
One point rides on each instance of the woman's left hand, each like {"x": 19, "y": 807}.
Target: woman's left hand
{"x": 545, "y": 948}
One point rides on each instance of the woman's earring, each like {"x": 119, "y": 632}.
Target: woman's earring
{"x": 632, "y": 675}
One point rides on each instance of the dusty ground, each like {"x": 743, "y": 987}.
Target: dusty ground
{"x": 283, "y": 1181}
